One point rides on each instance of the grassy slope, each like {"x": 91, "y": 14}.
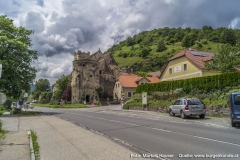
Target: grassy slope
{"x": 171, "y": 50}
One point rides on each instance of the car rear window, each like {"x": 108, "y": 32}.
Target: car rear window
{"x": 236, "y": 99}
{"x": 194, "y": 102}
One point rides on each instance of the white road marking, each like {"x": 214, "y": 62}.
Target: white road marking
{"x": 163, "y": 130}
{"x": 183, "y": 122}
{"x": 226, "y": 123}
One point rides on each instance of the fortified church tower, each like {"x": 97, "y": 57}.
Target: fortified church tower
{"x": 91, "y": 72}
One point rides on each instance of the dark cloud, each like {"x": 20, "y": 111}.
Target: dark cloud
{"x": 62, "y": 27}
{"x": 40, "y": 3}
{"x": 35, "y": 21}
{"x": 68, "y": 34}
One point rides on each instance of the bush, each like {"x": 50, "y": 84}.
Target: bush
{"x": 8, "y": 104}
{"x": 205, "y": 84}
{"x": 204, "y": 42}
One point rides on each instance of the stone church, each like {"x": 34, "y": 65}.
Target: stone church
{"x": 91, "y": 72}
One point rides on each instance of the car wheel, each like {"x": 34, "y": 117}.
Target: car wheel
{"x": 202, "y": 116}
{"x": 171, "y": 113}
{"x": 183, "y": 116}
{"x": 233, "y": 124}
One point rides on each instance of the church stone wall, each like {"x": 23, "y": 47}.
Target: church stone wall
{"x": 86, "y": 77}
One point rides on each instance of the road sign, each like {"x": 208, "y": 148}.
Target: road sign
{"x": 25, "y": 95}
{"x": 0, "y": 70}
{"x": 20, "y": 103}
{"x": 3, "y": 98}
{"x": 144, "y": 97}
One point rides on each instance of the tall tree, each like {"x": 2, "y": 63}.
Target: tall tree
{"x": 229, "y": 36}
{"x": 189, "y": 40}
{"x": 161, "y": 46}
{"x": 62, "y": 84}
{"x": 16, "y": 58}
{"x": 227, "y": 59}
{"x": 42, "y": 85}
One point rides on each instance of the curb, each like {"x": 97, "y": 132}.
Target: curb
{"x": 31, "y": 146}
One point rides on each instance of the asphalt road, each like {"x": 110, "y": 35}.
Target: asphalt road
{"x": 158, "y": 135}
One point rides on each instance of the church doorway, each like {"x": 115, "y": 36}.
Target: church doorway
{"x": 87, "y": 98}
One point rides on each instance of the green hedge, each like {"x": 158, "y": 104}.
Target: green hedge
{"x": 206, "y": 84}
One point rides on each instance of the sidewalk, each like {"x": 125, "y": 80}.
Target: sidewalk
{"x": 58, "y": 140}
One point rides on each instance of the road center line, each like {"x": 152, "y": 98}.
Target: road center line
{"x": 163, "y": 130}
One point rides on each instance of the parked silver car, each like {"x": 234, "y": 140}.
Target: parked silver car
{"x": 188, "y": 107}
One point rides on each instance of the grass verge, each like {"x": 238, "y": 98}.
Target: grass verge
{"x": 58, "y": 106}
{"x": 35, "y": 145}
{"x": 27, "y": 113}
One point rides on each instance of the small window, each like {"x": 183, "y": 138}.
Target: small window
{"x": 129, "y": 94}
{"x": 185, "y": 67}
{"x": 100, "y": 72}
{"x": 170, "y": 70}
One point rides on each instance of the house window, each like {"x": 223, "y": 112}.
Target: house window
{"x": 170, "y": 70}
{"x": 185, "y": 67}
{"x": 100, "y": 72}
{"x": 129, "y": 94}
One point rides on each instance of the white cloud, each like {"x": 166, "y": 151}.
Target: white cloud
{"x": 62, "y": 27}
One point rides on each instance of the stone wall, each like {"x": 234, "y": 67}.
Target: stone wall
{"x": 91, "y": 72}
{"x": 218, "y": 110}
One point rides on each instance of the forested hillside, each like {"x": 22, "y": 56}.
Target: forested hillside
{"x": 149, "y": 50}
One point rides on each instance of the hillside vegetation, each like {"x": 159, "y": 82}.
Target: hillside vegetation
{"x": 150, "y": 50}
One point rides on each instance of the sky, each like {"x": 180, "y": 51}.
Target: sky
{"x": 61, "y": 27}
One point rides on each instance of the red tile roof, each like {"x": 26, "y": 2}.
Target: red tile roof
{"x": 130, "y": 81}
{"x": 155, "y": 74}
{"x": 196, "y": 57}
{"x": 153, "y": 79}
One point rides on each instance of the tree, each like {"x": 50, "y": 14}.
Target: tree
{"x": 62, "y": 84}
{"x": 161, "y": 46}
{"x": 130, "y": 41}
{"x": 189, "y": 40}
{"x": 16, "y": 58}
{"x": 67, "y": 94}
{"x": 42, "y": 85}
{"x": 226, "y": 60}
{"x": 229, "y": 36}
{"x": 145, "y": 52}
